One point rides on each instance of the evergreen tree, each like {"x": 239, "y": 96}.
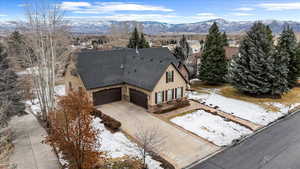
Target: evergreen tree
{"x": 9, "y": 91}
{"x": 225, "y": 40}
{"x": 134, "y": 39}
{"x": 287, "y": 46}
{"x": 137, "y": 41}
{"x": 16, "y": 46}
{"x": 298, "y": 59}
{"x": 213, "y": 62}
{"x": 256, "y": 70}
{"x": 182, "y": 50}
{"x": 143, "y": 42}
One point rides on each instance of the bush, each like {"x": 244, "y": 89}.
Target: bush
{"x": 127, "y": 163}
{"x": 96, "y": 113}
{"x": 109, "y": 122}
{"x": 180, "y": 103}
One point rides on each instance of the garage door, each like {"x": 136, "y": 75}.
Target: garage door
{"x": 107, "y": 96}
{"x": 138, "y": 98}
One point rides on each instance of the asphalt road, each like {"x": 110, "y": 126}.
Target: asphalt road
{"x": 277, "y": 147}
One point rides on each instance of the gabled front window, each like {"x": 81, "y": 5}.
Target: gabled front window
{"x": 170, "y": 76}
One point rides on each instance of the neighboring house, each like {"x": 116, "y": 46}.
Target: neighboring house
{"x": 146, "y": 77}
{"x": 195, "y": 46}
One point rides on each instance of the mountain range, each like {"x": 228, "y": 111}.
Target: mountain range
{"x": 150, "y": 27}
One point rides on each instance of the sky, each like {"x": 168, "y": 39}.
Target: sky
{"x": 169, "y": 11}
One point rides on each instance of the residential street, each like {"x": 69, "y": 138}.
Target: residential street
{"x": 277, "y": 147}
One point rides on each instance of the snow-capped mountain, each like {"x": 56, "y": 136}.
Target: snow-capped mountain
{"x": 150, "y": 27}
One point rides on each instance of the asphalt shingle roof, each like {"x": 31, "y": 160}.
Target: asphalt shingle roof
{"x": 143, "y": 69}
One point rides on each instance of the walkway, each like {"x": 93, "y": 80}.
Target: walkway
{"x": 30, "y": 152}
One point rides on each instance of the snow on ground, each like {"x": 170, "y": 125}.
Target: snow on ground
{"x": 242, "y": 109}
{"x": 118, "y": 145}
{"x": 34, "y": 104}
{"x": 60, "y": 90}
{"x": 27, "y": 71}
{"x": 211, "y": 127}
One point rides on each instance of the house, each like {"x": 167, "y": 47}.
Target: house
{"x": 146, "y": 77}
{"x": 195, "y": 46}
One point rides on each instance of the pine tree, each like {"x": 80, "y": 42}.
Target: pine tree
{"x": 287, "y": 46}
{"x": 298, "y": 59}
{"x": 16, "y": 46}
{"x": 9, "y": 91}
{"x": 134, "y": 39}
{"x": 225, "y": 40}
{"x": 255, "y": 70}
{"x": 213, "y": 62}
{"x": 182, "y": 50}
{"x": 143, "y": 42}
{"x": 137, "y": 41}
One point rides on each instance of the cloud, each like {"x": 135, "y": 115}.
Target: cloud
{"x": 241, "y": 14}
{"x": 3, "y": 15}
{"x": 205, "y": 16}
{"x": 130, "y": 17}
{"x": 69, "y": 6}
{"x": 108, "y": 7}
{"x": 23, "y": 5}
{"x": 244, "y": 9}
{"x": 280, "y": 6}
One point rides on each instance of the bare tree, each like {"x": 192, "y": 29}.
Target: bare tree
{"x": 150, "y": 142}
{"x": 47, "y": 40}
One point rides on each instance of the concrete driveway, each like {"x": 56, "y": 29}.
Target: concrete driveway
{"x": 180, "y": 148}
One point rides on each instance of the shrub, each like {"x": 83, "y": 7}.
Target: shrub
{"x": 127, "y": 163}
{"x": 180, "y": 103}
{"x": 96, "y": 113}
{"x": 110, "y": 123}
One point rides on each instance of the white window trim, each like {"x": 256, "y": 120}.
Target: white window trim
{"x": 169, "y": 93}
{"x": 179, "y": 92}
{"x": 159, "y": 98}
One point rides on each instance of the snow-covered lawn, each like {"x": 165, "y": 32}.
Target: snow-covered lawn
{"x": 34, "y": 104}
{"x": 118, "y": 145}
{"x": 60, "y": 90}
{"x": 245, "y": 110}
{"x": 211, "y": 127}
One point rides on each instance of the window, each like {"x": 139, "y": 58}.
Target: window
{"x": 169, "y": 95}
{"x": 159, "y": 97}
{"x": 70, "y": 85}
{"x": 178, "y": 93}
{"x": 170, "y": 76}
